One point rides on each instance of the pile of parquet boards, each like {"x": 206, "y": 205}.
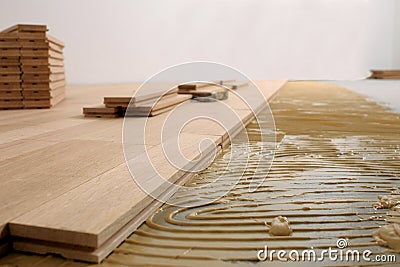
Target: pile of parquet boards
{"x": 207, "y": 89}
{"x": 145, "y": 105}
{"x": 385, "y": 74}
{"x": 31, "y": 68}
{"x": 155, "y": 103}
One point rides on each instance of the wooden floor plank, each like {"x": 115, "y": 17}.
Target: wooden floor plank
{"x": 50, "y": 172}
{"x": 123, "y": 101}
{"x": 148, "y": 204}
{"x": 33, "y": 130}
{"x": 76, "y": 132}
{"x": 20, "y": 147}
{"x": 77, "y": 162}
{"x": 154, "y": 107}
{"x": 101, "y": 224}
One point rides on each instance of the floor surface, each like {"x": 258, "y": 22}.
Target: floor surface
{"x": 336, "y": 153}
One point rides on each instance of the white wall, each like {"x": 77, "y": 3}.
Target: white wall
{"x": 129, "y": 40}
{"x": 396, "y": 46}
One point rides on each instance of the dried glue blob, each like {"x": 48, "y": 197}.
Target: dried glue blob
{"x": 280, "y": 226}
{"x": 387, "y": 202}
{"x": 388, "y": 236}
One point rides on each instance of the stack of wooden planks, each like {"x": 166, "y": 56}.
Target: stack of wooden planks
{"x": 156, "y": 102}
{"x": 235, "y": 85}
{"x": 102, "y": 112}
{"x": 10, "y": 71}
{"x": 207, "y": 89}
{"x": 34, "y": 66}
{"x": 145, "y": 105}
{"x": 192, "y": 88}
{"x": 385, "y": 74}
{"x": 151, "y": 107}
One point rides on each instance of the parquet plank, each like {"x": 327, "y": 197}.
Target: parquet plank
{"x": 143, "y": 109}
{"x": 55, "y": 169}
{"x": 79, "y": 162}
{"x": 101, "y": 226}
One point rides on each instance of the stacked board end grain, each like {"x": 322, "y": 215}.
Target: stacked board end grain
{"x": 41, "y": 63}
{"x": 10, "y": 72}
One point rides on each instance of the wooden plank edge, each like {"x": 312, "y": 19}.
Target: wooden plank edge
{"x": 102, "y": 252}
{"x": 100, "y": 110}
{"x": 55, "y": 41}
{"x": 98, "y": 115}
{"x": 26, "y": 28}
{"x": 5, "y": 248}
{"x": 135, "y": 99}
{"x": 105, "y": 249}
{"x": 146, "y": 112}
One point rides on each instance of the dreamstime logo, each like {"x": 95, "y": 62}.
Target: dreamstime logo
{"x": 340, "y": 253}
{"x": 159, "y": 151}
{"x": 341, "y": 243}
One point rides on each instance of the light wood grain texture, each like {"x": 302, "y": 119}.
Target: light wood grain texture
{"x": 23, "y": 146}
{"x": 43, "y": 85}
{"x": 65, "y": 166}
{"x": 236, "y": 85}
{"x": 41, "y": 36}
{"x": 55, "y": 41}
{"x": 42, "y": 69}
{"x": 203, "y": 91}
{"x": 41, "y": 53}
{"x": 26, "y": 28}
{"x": 78, "y": 162}
{"x": 100, "y": 253}
{"x": 42, "y": 77}
{"x": 156, "y": 107}
{"x": 123, "y": 101}
{"x": 27, "y": 44}
{"x": 91, "y": 129}
{"x": 43, "y": 94}
{"x": 8, "y": 36}
{"x": 54, "y": 47}
{"x": 33, "y": 124}
{"x": 113, "y": 227}
{"x": 32, "y": 78}
{"x": 34, "y": 61}
{"x": 43, "y": 103}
